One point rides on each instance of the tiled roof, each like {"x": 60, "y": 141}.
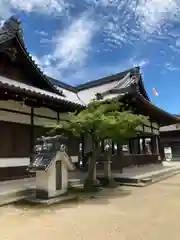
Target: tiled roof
{"x": 62, "y": 85}
{"x": 43, "y": 158}
{"x": 108, "y": 90}
{"x": 108, "y": 79}
{"x": 81, "y": 94}
{"x": 110, "y": 87}
{"x": 11, "y": 29}
{"x": 9, "y": 83}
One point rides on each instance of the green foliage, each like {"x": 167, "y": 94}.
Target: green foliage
{"x": 103, "y": 119}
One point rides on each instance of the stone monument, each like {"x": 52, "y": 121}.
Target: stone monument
{"x": 51, "y": 165}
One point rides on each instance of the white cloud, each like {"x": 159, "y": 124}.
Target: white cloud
{"x": 5, "y": 11}
{"x": 36, "y": 60}
{"x": 2, "y": 22}
{"x": 171, "y": 67}
{"x": 85, "y": 74}
{"x": 152, "y": 14}
{"x": 122, "y": 23}
{"x": 128, "y": 21}
{"x": 40, "y": 6}
{"x": 73, "y": 44}
{"x": 44, "y": 63}
{"x": 42, "y": 33}
{"x": 178, "y": 42}
{"x": 133, "y": 62}
{"x": 71, "y": 47}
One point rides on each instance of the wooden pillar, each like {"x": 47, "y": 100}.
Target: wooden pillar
{"x": 143, "y": 145}
{"x": 31, "y": 133}
{"x": 154, "y": 145}
{"x": 158, "y": 144}
{"x": 120, "y": 156}
{"x": 102, "y": 146}
{"x": 130, "y": 146}
{"x": 136, "y": 144}
{"x": 113, "y": 150}
{"x": 82, "y": 145}
{"x": 58, "y": 117}
{"x": 82, "y": 150}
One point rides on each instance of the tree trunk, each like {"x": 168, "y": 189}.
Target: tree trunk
{"x": 91, "y": 182}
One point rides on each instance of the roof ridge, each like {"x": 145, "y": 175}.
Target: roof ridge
{"x": 62, "y": 84}
{"x": 12, "y": 26}
{"x": 12, "y": 29}
{"x": 33, "y": 62}
{"x": 106, "y": 79}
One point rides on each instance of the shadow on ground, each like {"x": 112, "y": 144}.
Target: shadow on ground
{"x": 101, "y": 197}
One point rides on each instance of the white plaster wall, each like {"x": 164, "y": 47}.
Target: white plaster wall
{"x": 19, "y": 106}
{"x": 46, "y": 112}
{"x": 42, "y": 180}
{"x": 14, "y": 117}
{"x": 14, "y": 105}
{"x": 74, "y": 159}
{"x": 25, "y": 119}
{"x": 44, "y": 122}
{"x": 147, "y": 129}
{"x": 87, "y": 95}
{"x": 14, "y": 162}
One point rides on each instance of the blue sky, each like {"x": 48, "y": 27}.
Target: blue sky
{"x": 80, "y": 40}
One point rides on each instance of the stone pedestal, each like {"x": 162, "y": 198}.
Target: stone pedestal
{"x": 107, "y": 169}
{"x": 54, "y": 181}
{"x": 109, "y": 181}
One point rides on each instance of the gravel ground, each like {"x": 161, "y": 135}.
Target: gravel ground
{"x": 149, "y": 213}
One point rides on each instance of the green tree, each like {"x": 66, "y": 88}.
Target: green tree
{"x": 101, "y": 119}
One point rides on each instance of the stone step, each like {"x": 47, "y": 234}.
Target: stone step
{"x": 54, "y": 200}
{"x": 150, "y": 180}
{"x": 75, "y": 182}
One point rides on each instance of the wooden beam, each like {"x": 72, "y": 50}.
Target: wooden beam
{"x": 32, "y": 133}
{"x": 58, "y": 118}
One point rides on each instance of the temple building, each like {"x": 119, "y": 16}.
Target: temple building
{"x": 30, "y": 100}
{"x": 128, "y": 86}
{"x": 170, "y": 142}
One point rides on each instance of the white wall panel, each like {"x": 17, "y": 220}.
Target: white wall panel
{"x": 14, "y": 105}
{"x": 45, "y": 112}
{"x": 44, "y": 122}
{"x": 14, "y": 162}
{"x": 14, "y": 117}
